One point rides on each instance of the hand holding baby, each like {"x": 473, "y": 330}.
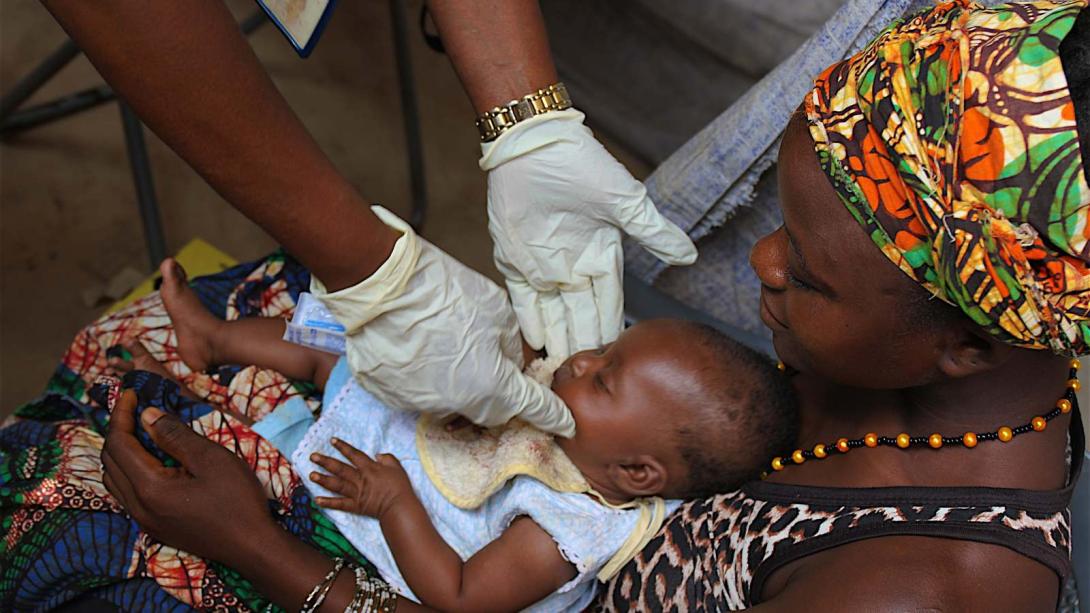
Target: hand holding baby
{"x": 366, "y": 486}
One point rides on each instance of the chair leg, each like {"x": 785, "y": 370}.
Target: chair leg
{"x": 29, "y": 84}
{"x": 410, "y": 115}
{"x": 145, "y": 189}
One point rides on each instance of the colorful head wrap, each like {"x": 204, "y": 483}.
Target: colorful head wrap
{"x": 951, "y": 138}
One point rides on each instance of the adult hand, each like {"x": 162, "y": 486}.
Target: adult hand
{"x": 558, "y": 207}
{"x": 427, "y": 333}
{"x": 212, "y": 506}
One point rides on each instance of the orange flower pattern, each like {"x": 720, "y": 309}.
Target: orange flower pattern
{"x": 951, "y": 138}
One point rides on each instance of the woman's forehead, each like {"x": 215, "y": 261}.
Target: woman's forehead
{"x": 820, "y": 226}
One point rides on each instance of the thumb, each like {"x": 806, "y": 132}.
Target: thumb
{"x": 647, "y": 226}
{"x": 172, "y": 436}
{"x": 540, "y": 406}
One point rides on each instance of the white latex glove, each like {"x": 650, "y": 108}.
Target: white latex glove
{"x": 558, "y": 206}
{"x": 427, "y": 333}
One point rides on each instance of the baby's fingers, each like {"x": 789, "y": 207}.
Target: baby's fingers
{"x": 388, "y": 460}
{"x": 337, "y": 485}
{"x": 334, "y": 466}
{"x": 340, "y": 504}
{"x": 355, "y": 456}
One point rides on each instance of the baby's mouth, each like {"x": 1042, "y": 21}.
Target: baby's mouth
{"x": 562, "y": 374}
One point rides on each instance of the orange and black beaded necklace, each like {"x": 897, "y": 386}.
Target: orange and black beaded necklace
{"x": 1003, "y": 434}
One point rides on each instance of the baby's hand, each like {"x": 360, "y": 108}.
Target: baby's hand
{"x": 368, "y": 487}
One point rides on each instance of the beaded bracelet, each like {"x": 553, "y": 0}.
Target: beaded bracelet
{"x": 372, "y": 596}
{"x": 317, "y": 595}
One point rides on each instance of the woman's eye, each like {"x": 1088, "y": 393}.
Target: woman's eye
{"x": 600, "y": 383}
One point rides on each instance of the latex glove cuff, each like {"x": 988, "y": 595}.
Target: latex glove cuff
{"x": 358, "y": 304}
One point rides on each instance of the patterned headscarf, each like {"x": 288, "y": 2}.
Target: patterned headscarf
{"x": 951, "y": 138}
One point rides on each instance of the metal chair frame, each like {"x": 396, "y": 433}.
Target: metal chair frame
{"x": 14, "y": 120}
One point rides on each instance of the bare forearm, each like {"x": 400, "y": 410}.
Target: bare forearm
{"x": 285, "y": 569}
{"x": 186, "y": 70}
{"x": 430, "y": 567}
{"x": 498, "y": 47}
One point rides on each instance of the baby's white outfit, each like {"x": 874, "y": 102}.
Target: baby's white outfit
{"x": 587, "y": 532}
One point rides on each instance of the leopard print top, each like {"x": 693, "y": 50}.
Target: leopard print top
{"x": 716, "y": 554}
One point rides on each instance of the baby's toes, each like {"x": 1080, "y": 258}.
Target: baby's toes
{"x": 119, "y": 359}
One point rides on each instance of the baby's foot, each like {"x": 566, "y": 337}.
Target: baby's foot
{"x": 194, "y": 326}
{"x": 139, "y": 358}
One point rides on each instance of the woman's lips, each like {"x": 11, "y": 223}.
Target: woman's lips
{"x": 768, "y": 316}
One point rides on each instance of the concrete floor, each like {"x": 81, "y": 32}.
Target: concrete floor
{"x": 68, "y": 217}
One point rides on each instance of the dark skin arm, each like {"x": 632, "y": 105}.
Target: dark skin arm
{"x": 187, "y": 71}
{"x": 498, "y": 48}
{"x": 516, "y": 570}
{"x": 913, "y": 574}
{"x": 193, "y": 79}
{"x": 213, "y": 507}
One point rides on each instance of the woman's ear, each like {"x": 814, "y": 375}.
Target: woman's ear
{"x": 644, "y": 475}
{"x": 970, "y": 351}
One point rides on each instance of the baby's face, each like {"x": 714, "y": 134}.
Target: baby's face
{"x": 624, "y": 397}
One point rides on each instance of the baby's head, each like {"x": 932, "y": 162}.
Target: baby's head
{"x": 675, "y": 409}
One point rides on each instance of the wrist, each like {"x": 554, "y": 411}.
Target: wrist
{"x": 263, "y": 547}
{"x": 398, "y": 504}
{"x": 497, "y": 120}
{"x": 534, "y": 133}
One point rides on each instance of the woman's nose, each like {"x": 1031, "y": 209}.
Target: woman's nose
{"x": 768, "y": 259}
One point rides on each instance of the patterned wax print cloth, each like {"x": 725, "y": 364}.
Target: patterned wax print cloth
{"x": 720, "y": 186}
{"x": 64, "y": 536}
{"x": 952, "y": 139}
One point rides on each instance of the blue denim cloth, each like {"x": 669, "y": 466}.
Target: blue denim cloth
{"x": 716, "y": 186}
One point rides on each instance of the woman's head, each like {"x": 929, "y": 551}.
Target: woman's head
{"x": 919, "y": 151}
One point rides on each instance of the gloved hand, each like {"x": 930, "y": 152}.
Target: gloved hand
{"x": 427, "y": 333}
{"x": 558, "y": 204}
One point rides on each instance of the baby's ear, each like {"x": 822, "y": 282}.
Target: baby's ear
{"x": 644, "y": 475}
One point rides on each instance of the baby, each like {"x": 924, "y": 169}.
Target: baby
{"x": 671, "y": 409}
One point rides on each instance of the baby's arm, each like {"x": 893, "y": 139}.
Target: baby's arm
{"x": 516, "y": 570}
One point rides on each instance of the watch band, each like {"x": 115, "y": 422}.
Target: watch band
{"x": 500, "y": 119}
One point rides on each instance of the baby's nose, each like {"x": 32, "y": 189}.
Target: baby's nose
{"x": 583, "y": 362}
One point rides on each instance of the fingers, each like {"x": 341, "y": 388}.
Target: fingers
{"x": 609, "y": 298}
{"x": 119, "y": 486}
{"x": 536, "y": 404}
{"x": 556, "y": 324}
{"x": 386, "y": 459}
{"x": 524, "y": 299}
{"x": 123, "y": 415}
{"x": 339, "y": 504}
{"x": 358, "y": 458}
{"x": 669, "y": 243}
{"x": 126, "y": 453}
{"x": 336, "y": 484}
{"x": 334, "y": 466}
{"x": 175, "y": 438}
{"x": 581, "y": 312}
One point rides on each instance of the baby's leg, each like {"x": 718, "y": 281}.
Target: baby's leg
{"x": 205, "y": 340}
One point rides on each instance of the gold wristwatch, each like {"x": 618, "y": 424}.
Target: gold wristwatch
{"x": 497, "y": 121}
